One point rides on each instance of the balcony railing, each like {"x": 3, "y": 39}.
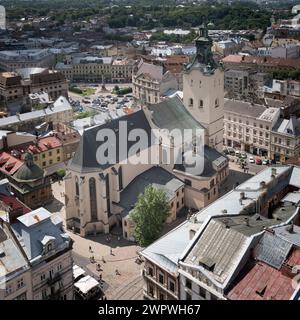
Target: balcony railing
{"x": 54, "y": 279}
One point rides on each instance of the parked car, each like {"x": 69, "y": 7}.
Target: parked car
{"x": 258, "y": 161}
{"x": 225, "y": 151}
{"x": 251, "y": 160}
{"x": 231, "y": 151}
{"x": 266, "y": 161}
{"x": 243, "y": 155}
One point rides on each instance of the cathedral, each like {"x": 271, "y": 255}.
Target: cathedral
{"x": 100, "y": 196}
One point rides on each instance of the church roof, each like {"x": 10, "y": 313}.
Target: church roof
{"x": 85, "y": 159}
{"x": 171, "y": 114}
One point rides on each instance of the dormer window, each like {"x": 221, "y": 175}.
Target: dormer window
{"x": 48, "y": 243}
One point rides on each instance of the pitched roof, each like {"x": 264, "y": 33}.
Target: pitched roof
{"x": 157, "y": 177}
{"x": 85, "y": 159}
{"x": 171, "y": 114}
{"x": 243, "y": 107}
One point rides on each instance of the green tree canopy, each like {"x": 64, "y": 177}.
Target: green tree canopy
{"x": 149, "y": 215}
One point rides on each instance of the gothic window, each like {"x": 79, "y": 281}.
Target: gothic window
{"x": 216, "y": 103}
{"x": 107, "y": 194}
{"x": 93, "y": 199}
{"x": 120, "y": 178}
{"x": 77, "y": 186}
{"x": 200, "y": 103}
{"x": 191, "y": 102}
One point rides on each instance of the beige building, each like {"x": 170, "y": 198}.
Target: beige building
{"x": 248, "y": 127}
{"x": 41, "y": 268}
{"x": 58, "y": 112}
{"x": 285, "y": 141}
{"x": 97, "y": 69}
{"x": 15, "y": 87}
{"x": 203, "y": 91}
{"x": 150, "y": 83}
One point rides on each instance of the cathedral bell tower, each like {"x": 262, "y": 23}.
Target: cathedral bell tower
{"x": 203, "y": 90}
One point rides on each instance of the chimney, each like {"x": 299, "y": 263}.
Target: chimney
{"x": 5, "y": 144}
{"x": 290, "y": 228}
{"x": 262, "y": 184}
{"x": 192, "y": 234}
{"x": 247, "y": 222}
{"x": 273, "y": 172}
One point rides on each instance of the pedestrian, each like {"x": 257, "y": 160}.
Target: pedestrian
{"x": 90, "y": 248}
{"x": 117, "y": 272}
{"x": 100, "y": 277}
{"x": 111, "y": 253}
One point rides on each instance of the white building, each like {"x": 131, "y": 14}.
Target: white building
{"x": 248, "y": 126}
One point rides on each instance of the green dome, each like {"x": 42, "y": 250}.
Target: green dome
{"x": 29, "y": 171}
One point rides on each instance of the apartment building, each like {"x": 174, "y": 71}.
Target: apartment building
{"x": 285, "y": 141}
{"x": 58, "y": 112}
{"x": 248, "y": 126}
{"x": 244, "y": 82}
{"x": 18, "y": 85}
{"x": 33, "y": 58}
{"x": 82, "y": 67}
{"x": 279, "y": 89}
{"x": 216, "y": 252}
{"x": 151, "y": 82}
{"x": 37, "y": 257}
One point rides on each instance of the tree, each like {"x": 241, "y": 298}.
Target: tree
{"x": 149, "y": 215}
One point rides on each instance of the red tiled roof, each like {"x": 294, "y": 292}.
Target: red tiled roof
{"x": 14, "y": 203}
{"x": 43, "y": 144}
{"x": 233, "y": 58}
{"x": 259, "y": 281}
{"x": 294, "y": 63}
{"x": 9, "y": 164}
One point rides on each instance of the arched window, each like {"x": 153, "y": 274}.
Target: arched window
{"x": 76, "y": 186}
{"x": 200, "y": 103}
{"x": 191, "y": 102}
{"x": 93, "y": 199}
{"x": 216, "y": 103}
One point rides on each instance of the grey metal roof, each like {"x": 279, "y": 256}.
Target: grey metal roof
{"x": 85, "y": 160}
{"x": 212, "y": 159}
{"x": 284, "y": 232}
{"x": 158, "y": 178}
{"x": 60, "y": 105}
{"x": 34, "y": 217}
{"x": 155, "y": 71}
{"x": 293, "y": 197}
{"x": 171, "y": 114}
{"x": 244, "y": 108}
{"x": 272, "y": 250}
{"x": 167, "y": 250}
{"x": 288, "y": 126}
{"x": 31, "y": 232}
{"x": 222, "y": 247}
